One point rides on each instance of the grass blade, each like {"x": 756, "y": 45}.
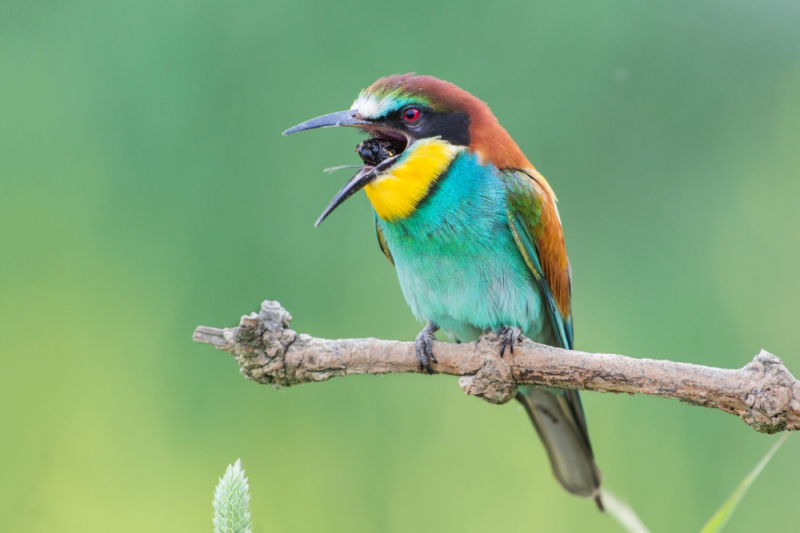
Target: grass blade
{"x": 721, "y": 517}
{"x": 623, "y": 513}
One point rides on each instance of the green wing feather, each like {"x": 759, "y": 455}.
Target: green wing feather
{"x": 382, "y": 241}
{"x": 527, "y": 206}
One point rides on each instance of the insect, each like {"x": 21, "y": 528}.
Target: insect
{"x": 374, "y": 151}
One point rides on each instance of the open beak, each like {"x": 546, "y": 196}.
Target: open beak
{"x": 331, "y": 120}
{"x": 364, "y": 176}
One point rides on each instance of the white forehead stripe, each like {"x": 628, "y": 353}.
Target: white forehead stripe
{"x": 369, "y": 106}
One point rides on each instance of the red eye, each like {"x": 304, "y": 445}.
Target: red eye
{"x": 411, "y": 114}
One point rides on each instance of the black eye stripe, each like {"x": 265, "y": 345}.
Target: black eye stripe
{"x": 451, "y": 127}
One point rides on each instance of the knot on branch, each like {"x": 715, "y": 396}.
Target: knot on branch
{"x": 264, "y": 339}
{"x": 494, "y": 381}
{"x": 259, "y": 343}
{"x": 773, "y": 400}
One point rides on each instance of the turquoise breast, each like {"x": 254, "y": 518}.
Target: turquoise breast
{"x": 457, "y": 261}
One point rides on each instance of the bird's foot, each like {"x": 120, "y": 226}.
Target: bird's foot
{"x": 510, "y": 336}
{"x": 423, "y": 347}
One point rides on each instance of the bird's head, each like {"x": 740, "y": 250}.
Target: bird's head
{"x": 429, "y": 122}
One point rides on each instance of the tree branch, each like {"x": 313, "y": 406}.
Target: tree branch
{"x": 763, "y": 393}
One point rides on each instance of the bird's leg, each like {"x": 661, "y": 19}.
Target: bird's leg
{"x": 510, "y": 335}
{"x": 423, "y": 347}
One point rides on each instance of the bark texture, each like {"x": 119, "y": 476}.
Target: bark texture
{"x": 763, "y": 393}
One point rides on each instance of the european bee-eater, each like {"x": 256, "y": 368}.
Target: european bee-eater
{"x": 474, "y": 233}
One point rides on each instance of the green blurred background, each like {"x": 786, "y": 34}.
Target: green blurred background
{"x": 145, "y": 189}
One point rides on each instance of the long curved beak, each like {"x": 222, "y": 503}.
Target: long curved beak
{"x": 331, "y": 120}
{"x": 362, "y": 178}
{"x": 356, "y": 183}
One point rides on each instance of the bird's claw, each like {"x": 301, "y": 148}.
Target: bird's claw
{"x": 510, "y": 336}
{"x": 423, "y": 348}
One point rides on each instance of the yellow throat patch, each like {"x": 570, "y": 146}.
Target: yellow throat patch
{"x": 396, "y": 193}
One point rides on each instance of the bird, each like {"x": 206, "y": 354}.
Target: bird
{"x": 475, "y": 236}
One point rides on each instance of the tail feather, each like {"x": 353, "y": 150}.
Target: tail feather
{"x": 558, "y": 418}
